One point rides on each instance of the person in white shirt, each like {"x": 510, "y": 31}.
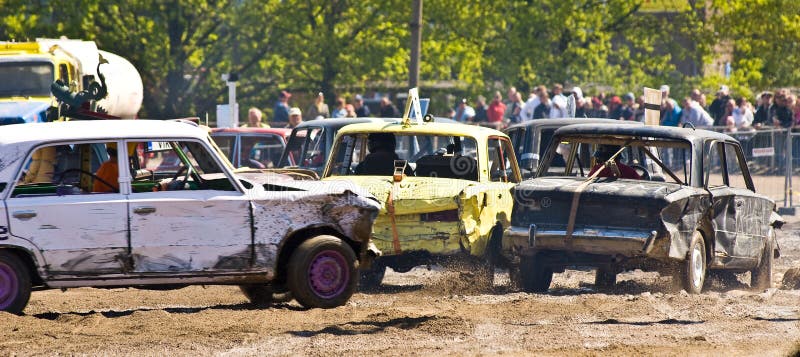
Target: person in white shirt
{"x": 694, "y": 114}
{"x": 531, "y": 103}
{"x": 559, "y": 102}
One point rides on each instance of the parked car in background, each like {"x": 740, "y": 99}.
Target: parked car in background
{"x": 74, "y": 215}
{"x": 257, "y": 148}
{"x": 444, "y": 190}
{"x": 531, "y": 138}
{"x": 703, "y": 213}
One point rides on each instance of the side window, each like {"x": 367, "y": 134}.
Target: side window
{"x": 226, "y": 143}
{"x": 181, "y": 165}
{"x": 735, "y": 167}
{"x": 350, "y": 152}
{"x": 500, "y": 169}
{"x": 63, "y": 73}
{"x": 294, "y": 147}
{"x": 260, "y": 152}
{"x": 714, "y": 166}
{"x": 314, "y": 155}
{"x": 69, "y": 169}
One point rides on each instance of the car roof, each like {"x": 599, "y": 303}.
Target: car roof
{"x": 425, "y": 128}
{"x": 696, "y": 136}
{"x": 98, "y": 129}
{"x": 340, "y": 122}
{"x": 18, "y": 139}
{"x": 251, "y": 130}
{"x": 559, "y": 122}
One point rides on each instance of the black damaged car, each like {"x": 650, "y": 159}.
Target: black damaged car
{"x": 678, "y": 201}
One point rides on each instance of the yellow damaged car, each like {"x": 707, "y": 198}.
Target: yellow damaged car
{"x": 444, "y": 191}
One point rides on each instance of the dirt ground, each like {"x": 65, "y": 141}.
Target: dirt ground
{"x": 423, "y": 312}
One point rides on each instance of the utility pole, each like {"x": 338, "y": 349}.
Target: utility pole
{"x": 416, "y": 42}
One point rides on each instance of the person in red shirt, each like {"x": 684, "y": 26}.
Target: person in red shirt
{"x": 603, "y": 153}
{"x": 496, "y": 109}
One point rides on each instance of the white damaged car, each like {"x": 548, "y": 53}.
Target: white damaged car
{"x": 154, "y": 204}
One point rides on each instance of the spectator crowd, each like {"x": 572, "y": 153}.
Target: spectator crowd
{"x": 725, "y": 112}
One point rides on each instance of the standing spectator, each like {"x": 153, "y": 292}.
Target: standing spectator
{"x": 598, "y": 109}
{"x": 542, "y": 110}
{"x": 671, "y": 113}
{"x": 694, "y": 114}
{"x": 281, "y": 110}
{"x": 464, "y": 112}
{"x": 742, "y": 114}
{"x": 516, "y": 108}
{"x": 496, "y": 110}
{"x": 717, "y": 107}
{"x": 782, "y": 115}
{"x": 699, "y": 97}
{"x": 254, "y": 116}
{"x": 796, "y": 111}
{"x": 558, "y": 106}
{"x": 340, "y": 111}
{"x": 318, "y": 109}
{"x": 664, "y": 99}
{"x": 764, "y": 106}
{"x": 531, "y": 103}
{"x": 388, "y": 109}
{"x": 512, "y": 91}
{"x": 638, "y": 111}
{"x": 580, "y": 111}
{"x": 295, "y": 117}
{"x": 361, "y": 109}
{"x": 615, "y": 108}
{"x": 481, "y": 110}
{"x": 626, "y": 111}
{"x": 351, "y": 111}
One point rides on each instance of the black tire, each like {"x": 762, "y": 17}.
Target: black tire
{"x": 605, "y": 278}
{"x": 534, "y": 276}
{"x": 761, "y": 276}
{"x": 323, "y": 272}
{"x": 693, "y": 270}
{"x": 370, "y": 278}
{"x": 258, "y": 294}
{"x": 15, "y": 283}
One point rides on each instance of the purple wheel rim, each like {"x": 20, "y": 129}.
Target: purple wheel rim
{"x": 9, "y": 286}
{"x": 328, "y": 274}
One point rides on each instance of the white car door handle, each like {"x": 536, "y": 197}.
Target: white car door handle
{"x": 144, "y": 210}
{"x": 24, "y": 214}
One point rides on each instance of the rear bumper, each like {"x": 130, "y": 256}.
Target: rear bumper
{"x": 601, "y": 241}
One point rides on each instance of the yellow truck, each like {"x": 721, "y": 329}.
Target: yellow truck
{"x": 29, "y": 69}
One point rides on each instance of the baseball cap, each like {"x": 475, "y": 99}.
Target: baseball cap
{"x": 628, "y": 96}
{"x": 615, "y": 100}
{"x": 359, "y": 97}
{"x": 723, "y": 89}
{"x": 664, "y": 88}
{"x": 285, "y": 94}
{"x": 295, "y": 111}
{"x": 464, "y": 100}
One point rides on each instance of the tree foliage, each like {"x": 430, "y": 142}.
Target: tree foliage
{"x": 341, "y": 46}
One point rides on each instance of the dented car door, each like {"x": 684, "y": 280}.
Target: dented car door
{"x": 190, "y": 226}
{"x": 79, "y": 233}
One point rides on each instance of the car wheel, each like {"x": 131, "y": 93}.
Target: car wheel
{"x": 761, "y": 276}
{"x": 322, "y": 272}
{"x": 15, "y": 283}
{"x": 534, "y": 276}
{"x": 693, "y": 269}
{"x": 605, "y": 278}
{"x": 371, "y": 278}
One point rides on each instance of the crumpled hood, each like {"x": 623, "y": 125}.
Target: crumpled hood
{"x": 618, "y": 188}
{"x": 413, "y": 194}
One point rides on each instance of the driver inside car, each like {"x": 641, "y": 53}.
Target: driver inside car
{"x": 603, "y": 154}
{"x": 108, "y": 173}
{"x": 381, "y": 157}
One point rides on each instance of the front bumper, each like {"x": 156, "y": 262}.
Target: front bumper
{"x": 601, "y": 241}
